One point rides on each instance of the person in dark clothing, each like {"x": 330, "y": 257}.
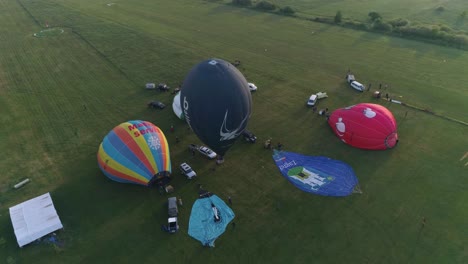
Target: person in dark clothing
{"x": 230, "y": 201}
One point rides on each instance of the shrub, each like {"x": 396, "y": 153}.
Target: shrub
{"x": 323, "y": 20}
{"x": 399, "y": 22}
{"x": 428, "y": 32}
{"x": 242, "y": 2}
{"x": 463, "y": 15}
{"x": 440, "y": 9}
{"x": 356, "y": 25}
{"x": 381, "y": 26}
{"x": 265, "y": 5}
{"x": 338, "y": 17}
{"x": 374, "y": 16}
{"x": 287, "y": 10}
{"x": 445, "y": 28}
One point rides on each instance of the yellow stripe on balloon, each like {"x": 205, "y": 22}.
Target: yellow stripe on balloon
{"x": 111, "y": 163}
{"x": 167, "y": 158}
{"x": 141, "y": 142}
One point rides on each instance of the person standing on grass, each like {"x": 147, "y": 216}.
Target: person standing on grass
{"x": 229, "y": 200}
{"x": 279, "y": 146}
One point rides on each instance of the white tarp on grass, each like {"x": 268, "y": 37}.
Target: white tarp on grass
{"x": 34, "y": 219}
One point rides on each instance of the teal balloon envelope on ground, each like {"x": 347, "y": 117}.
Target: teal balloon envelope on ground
{"x": 209, "y": 219}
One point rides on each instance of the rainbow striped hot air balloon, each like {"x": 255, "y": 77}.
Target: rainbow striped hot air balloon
{"x": 135, "y": 152}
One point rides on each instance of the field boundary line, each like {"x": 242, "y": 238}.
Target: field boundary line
{"x": 29, "y": 13}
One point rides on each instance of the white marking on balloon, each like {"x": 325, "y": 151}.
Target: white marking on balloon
{"x": 227, "y": 134}
{"x": 341, "y": 127}
{"x": 369, "y": 113}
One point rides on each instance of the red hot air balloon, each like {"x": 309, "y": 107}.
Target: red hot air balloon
{"x": 366, "y": 126}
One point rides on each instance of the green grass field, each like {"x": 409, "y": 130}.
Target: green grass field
{"x": 62, "y": 93}
{"x": 417, "y": 11}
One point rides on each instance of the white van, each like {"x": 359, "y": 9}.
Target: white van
{"x": 358, "y": 86}
{"x": 312, "y": 100}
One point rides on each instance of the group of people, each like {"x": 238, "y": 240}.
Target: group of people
{"x": 268, "y": 144}
{"x": 380, "y": 86}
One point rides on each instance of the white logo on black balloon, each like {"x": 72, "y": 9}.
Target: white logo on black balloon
{"x": 186, "y": 108}
{"x": 227, "y": 134}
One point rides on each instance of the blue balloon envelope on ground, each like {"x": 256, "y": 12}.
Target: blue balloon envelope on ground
{"x": 317, "y": 174}
{"x": 209, "y": 218}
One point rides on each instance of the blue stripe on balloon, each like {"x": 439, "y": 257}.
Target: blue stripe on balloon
{"x": 126, "y": 152}
{"x": 110, "y": 150}
{"x": 158, "y": 154}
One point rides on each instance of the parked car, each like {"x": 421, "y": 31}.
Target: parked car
{"x": 156, "y": 104}
{"x": 249, "y": 136}
{"x": 172, "y": 211}
{"x": 252, "y": 87}
{"x": 207, "y": 152}
{"x": 358, "y": 86}
{"x": 186, "y": 170}
{"x": 150, "y": 86}
{"x": 312, "y": 100}
{"x": 163, "y": 87}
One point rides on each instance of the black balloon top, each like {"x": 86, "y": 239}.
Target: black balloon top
{"x": 216, "y": 102}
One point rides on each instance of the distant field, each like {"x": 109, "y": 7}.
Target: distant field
{"x": 62, "y": 93}
{"x": 422, "y": 11}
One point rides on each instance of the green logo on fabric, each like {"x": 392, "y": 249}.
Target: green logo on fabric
{"x": 309, "y": 177}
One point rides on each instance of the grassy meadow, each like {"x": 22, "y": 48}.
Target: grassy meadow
{"x": 433, "y": 12}
{"x": 61, "y": 94}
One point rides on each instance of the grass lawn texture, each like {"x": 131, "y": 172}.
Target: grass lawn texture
{"x": 432, "y": 12}
{"x": 62, "y": 93}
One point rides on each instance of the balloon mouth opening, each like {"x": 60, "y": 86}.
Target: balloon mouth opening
{"x": 392, "y": 140}
{"x": 160, "y": 179}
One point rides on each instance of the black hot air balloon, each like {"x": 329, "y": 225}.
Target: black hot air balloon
{"x": 216, "y": 103}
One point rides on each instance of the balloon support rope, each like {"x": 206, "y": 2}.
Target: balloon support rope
{"x": 357, "y": 189}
